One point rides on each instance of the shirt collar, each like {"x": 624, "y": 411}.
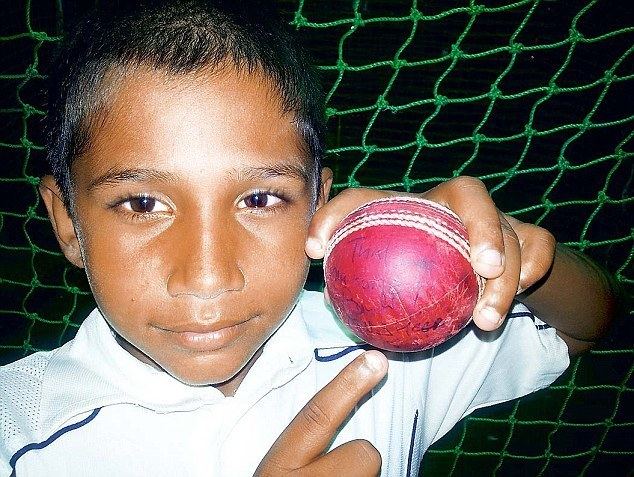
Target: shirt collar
{"x": 286, "y": 354}
{"x": 93, "y": 371}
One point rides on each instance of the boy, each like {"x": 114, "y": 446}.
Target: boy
{"x": 185, "y": 142}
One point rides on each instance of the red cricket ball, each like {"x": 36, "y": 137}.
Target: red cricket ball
{"x": 398, "y": 274}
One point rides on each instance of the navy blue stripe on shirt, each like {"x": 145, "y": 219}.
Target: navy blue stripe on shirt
{"x": 411, "y": 445}
{"x": 50, "y": 440}
{"x": 339, "y": 354}
{"x": 528, "y": 314}
{"x": 520, "y": 314}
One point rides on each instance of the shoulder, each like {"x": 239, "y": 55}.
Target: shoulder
{"x": 43, "y": 390}
{"x": 21, "y": 384}
{"x": 21, "y": 389}
{"x": 523, "y": 339}
{"x": 322, "y": 324}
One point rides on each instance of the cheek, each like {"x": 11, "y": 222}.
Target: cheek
{"x": 124, "y": 272}
{"x": 278, "y": 246}
{"x": 277, "y": 267}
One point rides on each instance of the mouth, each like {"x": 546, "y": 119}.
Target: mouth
{"x": 203, "y": 338}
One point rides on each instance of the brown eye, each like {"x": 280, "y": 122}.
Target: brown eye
{"x": 144, "y": 204}
{"x": 259, "y": 200}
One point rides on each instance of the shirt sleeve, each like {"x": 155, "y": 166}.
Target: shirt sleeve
{"x": 20, "y": 406}
{"x": 478, "y": 368}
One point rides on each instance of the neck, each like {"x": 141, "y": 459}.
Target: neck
{"x": 228, "y": 388}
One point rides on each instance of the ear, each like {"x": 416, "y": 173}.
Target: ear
{"x": 61, "y": 221}
{"x": 326, "y": 184}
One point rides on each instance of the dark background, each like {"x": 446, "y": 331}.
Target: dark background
{"x": 410, "y": 105}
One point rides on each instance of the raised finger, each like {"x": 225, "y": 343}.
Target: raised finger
{"x": 311, "y": 431}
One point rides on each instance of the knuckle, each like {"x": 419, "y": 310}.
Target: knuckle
{"x": 548, "y": 239}
{"x": 313, "y": 415}
{"x": 547, "y": 249}
{"x": 540, "y": 234}
{"x": 543, "y": 243}
{"x": 467, "y": 182}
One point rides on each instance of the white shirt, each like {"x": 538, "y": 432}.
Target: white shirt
{"x": 90, "y": 408}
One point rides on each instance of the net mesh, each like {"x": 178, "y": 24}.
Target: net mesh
{"x": 532, "y": 97}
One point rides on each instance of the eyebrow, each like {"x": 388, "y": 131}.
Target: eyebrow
{"x": 292, "y": 170}
{"x": 118, "y": 176}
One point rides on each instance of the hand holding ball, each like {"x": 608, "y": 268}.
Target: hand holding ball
{"x": 398, "y": 274}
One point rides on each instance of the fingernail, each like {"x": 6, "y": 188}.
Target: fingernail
{"x": 314, "y": 244}
{"x": 490, "y": 316}
{"x": 490, "y": 257}
{"x": 374, "y": 361}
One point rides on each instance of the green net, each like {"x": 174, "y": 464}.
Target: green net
{"x": 533, "y": 97}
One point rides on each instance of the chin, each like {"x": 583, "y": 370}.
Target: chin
{"x": 198, "y": 379}
{"x": 205, "y": 373}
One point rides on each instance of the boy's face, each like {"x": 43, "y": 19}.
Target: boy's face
{"x": 192, "y": 206}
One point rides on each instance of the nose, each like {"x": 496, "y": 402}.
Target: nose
{"x": 205, "y": 259}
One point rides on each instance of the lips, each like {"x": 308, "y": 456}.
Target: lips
{"x": 204, "y": 337}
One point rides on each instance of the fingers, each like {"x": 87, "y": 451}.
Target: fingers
{"x": 310, "y": 433}
{"x": 326, "y": 219}
{"x": 499, "y": 292}
{"x": 538, "y": 252}
{"x": 356, "y": 458}
{"x": 494, "y": 247}
{"x": 512, "y": 256}
{"x": 469, "y": 198}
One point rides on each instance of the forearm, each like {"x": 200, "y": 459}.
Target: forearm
{"x": 576, "y": 297}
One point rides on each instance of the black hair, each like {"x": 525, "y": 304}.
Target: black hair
{"x": 177, "y": 37}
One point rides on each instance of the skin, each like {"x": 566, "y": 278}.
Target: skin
{"x": 194, "y": 218}
{"x": 519, "y": 260}
{"x": 181, "y": 282}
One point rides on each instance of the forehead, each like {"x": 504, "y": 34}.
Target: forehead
{"x": 212, "y": 121}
